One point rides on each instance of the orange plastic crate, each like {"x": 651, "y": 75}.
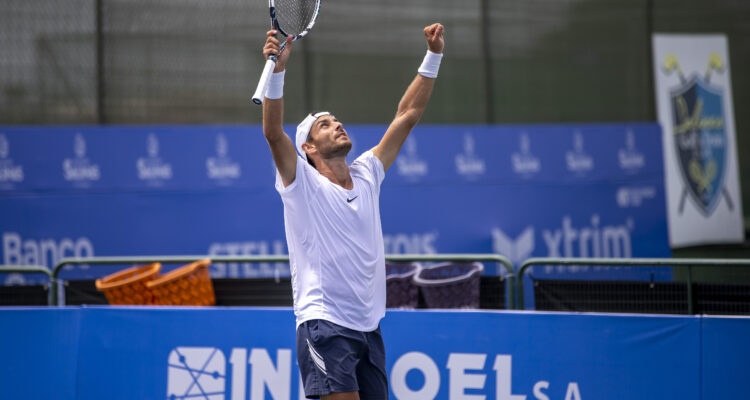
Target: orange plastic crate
{"x": 189, "y": 285}
{"x": 128, "y": 287}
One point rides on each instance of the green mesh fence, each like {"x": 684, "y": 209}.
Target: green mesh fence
{"x": 197, "y": 61}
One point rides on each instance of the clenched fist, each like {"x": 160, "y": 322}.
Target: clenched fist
{"x": 434, "y": 36}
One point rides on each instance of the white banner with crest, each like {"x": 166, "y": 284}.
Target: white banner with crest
{"x": 695, "y": 107}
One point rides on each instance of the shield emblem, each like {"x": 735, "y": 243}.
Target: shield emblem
{"x": 700, "y": 140}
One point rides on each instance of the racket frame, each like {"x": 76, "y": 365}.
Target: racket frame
{"x": 265, "y": 77}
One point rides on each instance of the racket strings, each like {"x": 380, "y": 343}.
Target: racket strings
{"x": 295, "y": 15}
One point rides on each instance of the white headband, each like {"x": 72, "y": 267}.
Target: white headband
{"x": 303, "y": 130}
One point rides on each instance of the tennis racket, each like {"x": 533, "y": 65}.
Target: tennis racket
{"x": 290, "y": 18}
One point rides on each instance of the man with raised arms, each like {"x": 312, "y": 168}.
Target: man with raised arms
{"x": 333, "y": 232}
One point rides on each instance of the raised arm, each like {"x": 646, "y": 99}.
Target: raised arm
{"x": 282, "y": 147}
{"x": 414, "y": 101}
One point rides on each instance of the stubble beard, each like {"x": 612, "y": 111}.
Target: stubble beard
{"x": 337, "y": 150}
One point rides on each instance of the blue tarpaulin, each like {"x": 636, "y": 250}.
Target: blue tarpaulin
{"x": 240, "y": 353}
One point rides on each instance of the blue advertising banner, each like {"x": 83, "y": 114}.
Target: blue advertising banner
{"x": 39, "y": 349}
{"x": 240, "y": 353}
{"x": 725, "y": 357}
{"x": 593, "y": 190}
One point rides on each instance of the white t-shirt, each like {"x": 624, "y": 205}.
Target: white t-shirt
{"x": 335, "y": 245}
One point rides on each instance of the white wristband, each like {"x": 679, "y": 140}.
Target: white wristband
{"x": 276, "y": 86}
{"x": 430, "y": 65}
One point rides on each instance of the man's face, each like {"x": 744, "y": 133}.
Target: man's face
{"x": 330, "y": 138}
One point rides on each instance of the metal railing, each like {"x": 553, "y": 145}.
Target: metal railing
{"x": 54, "y": 288}
{"x": 687, "y": 264}
{"x": 514, "y": 286}
{"x": 31, "y": 269}
{"x": 54, "y": 296}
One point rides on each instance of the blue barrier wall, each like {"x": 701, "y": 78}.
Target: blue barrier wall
{"x": 39, "y": 349}
{"x": 519, "y": 190}
{"x": 218, "y": 353}
{"x": 725, "y": 357}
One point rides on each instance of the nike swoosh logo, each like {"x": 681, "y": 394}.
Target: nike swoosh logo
{"x": 348, "y": 200}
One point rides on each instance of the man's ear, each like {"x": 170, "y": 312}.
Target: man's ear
{"x": 308, "y": 147}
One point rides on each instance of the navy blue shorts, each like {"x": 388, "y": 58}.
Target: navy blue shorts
{"x": 334, "y": 359}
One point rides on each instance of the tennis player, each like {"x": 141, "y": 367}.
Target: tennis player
{"x": 333, "y": 231}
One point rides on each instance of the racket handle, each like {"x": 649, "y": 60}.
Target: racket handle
{"x": 260, "y": 91}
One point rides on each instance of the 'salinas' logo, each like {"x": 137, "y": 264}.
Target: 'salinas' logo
{"x": 468, "y": 163}
{"x": 523, "y": 162}
{"x": 222, "y": 168}
{"x": 79, "y": 169}
{"x": 577, "y": 160}
{"x": 409, "y": 164}
{"x": 9, "y": 172}
{"x": 699, "y": 135}
{"x": 629, "y": 158}
{"x": 152, "y": 169}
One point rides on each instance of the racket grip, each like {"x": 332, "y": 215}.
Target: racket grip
{"x": 260, "y": 91}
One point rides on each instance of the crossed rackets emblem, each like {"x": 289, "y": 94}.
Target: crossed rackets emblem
{"x": 699, "y": 134}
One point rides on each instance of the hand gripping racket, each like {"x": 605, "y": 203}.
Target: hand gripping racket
{"x": 290, "y": 18}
